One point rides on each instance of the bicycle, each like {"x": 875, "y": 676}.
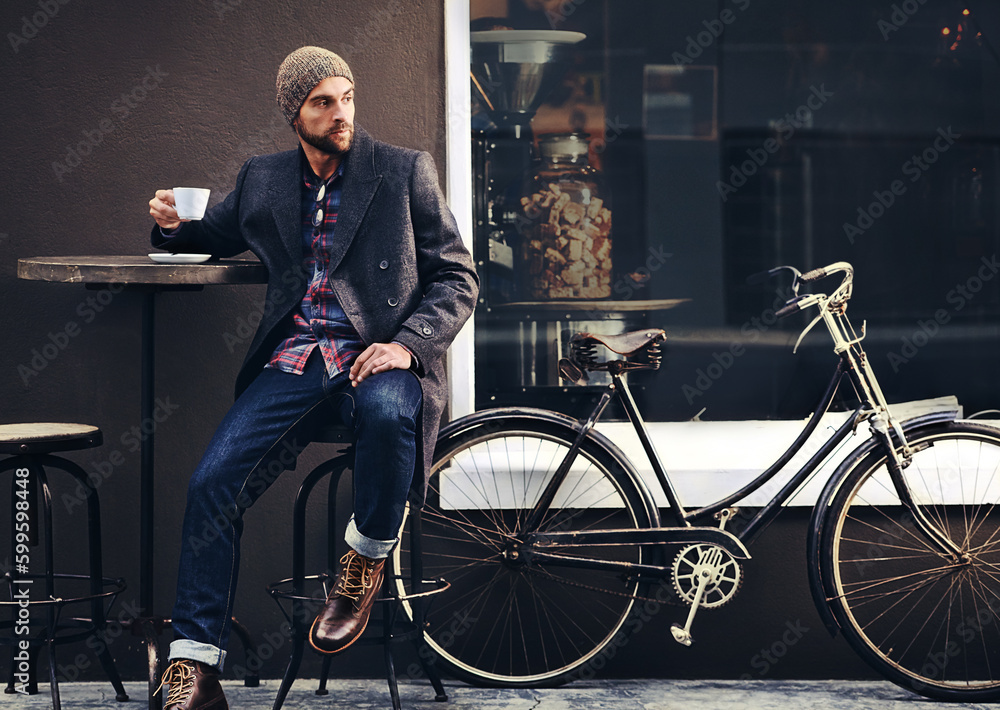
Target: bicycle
{"x": 551, "y": 540}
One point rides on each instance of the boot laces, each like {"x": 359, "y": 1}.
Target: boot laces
{"x": 355, "y": 576}
{"x": 180, "y": 677}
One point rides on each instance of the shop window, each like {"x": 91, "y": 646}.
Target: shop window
{"x": 636, "y": 160}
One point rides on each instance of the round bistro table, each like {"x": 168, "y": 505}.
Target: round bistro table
{"x": 141, "y": 274}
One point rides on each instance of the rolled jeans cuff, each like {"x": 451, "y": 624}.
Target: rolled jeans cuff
{"x": 195, "y": 651}
{"x": 369, "y": 547}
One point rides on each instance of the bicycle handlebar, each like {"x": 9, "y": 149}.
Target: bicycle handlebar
{"x": 795, "y": 304}
{"x": 792, "y": 306}
{"x": 829, "y": 270}
{"x": 813, "y": 275}
{"x": 762, "y": 276}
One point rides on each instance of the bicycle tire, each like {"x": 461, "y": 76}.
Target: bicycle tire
{"x": 505, "y": 622}
{"x": 925, "y": 623}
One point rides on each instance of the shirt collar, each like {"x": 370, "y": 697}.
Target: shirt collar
{"x": 310, "y": 178}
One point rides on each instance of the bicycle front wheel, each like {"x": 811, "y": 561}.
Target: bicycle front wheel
{"x": 509, "y": 619}
{"x": 928, "y": 623}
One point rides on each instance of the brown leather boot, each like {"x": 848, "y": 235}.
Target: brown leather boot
{"x": 193, "y": 686}
{"x": 345, "y": 614}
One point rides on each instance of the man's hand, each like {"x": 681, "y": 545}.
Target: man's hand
{"x": 377, "y": 358}
{"x": 164, "y": 210}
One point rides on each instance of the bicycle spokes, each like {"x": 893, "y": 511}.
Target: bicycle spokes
{"x": 926, "y": 618}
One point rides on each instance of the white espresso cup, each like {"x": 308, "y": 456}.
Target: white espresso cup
{"x": 191, "y": 201}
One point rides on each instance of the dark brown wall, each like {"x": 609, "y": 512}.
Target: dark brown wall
{"x": 207, "y": 105}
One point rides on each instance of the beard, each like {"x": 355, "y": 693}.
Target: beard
{"x": 331, "y": 142}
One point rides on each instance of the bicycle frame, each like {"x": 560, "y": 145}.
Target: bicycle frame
{"x": 852, "y": 363}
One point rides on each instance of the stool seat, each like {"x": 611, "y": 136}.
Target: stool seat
{"x": 46, "y": 437}
{"x": 30, "y": 447}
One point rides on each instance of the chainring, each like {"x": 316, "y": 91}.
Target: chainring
{"x": 725, "y": 578}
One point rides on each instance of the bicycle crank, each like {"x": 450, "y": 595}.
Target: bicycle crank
{"x": 704, "y": 576}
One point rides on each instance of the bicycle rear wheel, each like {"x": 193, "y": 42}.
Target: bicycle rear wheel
{"x": 925, "y": 622}
{"x": 510, "y": 620}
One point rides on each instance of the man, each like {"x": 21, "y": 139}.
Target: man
{"x": 368, "y": 284}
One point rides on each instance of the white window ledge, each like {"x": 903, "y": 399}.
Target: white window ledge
{"x": 707, "y": 461}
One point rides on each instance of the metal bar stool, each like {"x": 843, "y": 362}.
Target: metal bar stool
{"x": 304, "y": 607}
{"x": 30, "y": 448}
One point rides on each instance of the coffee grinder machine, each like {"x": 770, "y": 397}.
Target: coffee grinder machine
{"x": 513, "y": 71}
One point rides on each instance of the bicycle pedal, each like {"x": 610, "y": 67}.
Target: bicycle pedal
{"x": 681, "y": 635}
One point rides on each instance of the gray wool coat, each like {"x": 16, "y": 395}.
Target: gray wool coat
{"x": 398, "y": 266}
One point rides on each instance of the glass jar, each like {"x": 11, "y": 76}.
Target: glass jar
{"x": 565, "y": 224}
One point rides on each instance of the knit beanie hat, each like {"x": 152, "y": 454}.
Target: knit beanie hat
{"x": 301, "y": 71}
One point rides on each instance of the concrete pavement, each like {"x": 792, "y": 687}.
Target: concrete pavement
{"x": 585, "y": 695}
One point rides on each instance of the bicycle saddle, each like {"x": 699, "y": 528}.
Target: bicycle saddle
{"x": 625, "y": 344}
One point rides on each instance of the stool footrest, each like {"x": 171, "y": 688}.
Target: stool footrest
{"x": 117, "y": 582}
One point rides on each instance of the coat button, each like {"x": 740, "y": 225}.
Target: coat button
{"x": 427, "y": 330}
{"x": 383, "y": 264}
{"x": 393, "y": 301}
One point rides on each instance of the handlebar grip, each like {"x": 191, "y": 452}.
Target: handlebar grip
{"x": 793, "y": 306}
{"x": 787, "y": 310}
{"x": 813, "y": 275}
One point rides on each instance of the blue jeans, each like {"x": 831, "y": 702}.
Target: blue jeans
{"x": 263, "y": 433}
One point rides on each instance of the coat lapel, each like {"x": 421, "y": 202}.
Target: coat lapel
{"x": 360, "y": 185}
{"x": 286, "y": 196}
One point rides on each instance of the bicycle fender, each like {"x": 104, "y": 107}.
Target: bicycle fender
{"x": 504, "y": 417}
{"x": 819, "y": 583}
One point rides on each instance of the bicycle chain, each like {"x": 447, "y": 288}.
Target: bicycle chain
{"x": 673, "y": 600}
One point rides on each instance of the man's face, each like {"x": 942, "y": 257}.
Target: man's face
{"x": 326, "y": 119}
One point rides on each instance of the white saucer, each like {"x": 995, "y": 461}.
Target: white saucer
{"x": 163, "y": 257}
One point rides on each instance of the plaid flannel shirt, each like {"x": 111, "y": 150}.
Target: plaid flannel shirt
{"x": 319, "y": 321}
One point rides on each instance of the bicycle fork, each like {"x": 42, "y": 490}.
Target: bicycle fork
{"x": 895, "y": 464}
{"x": 883, "y": 427}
